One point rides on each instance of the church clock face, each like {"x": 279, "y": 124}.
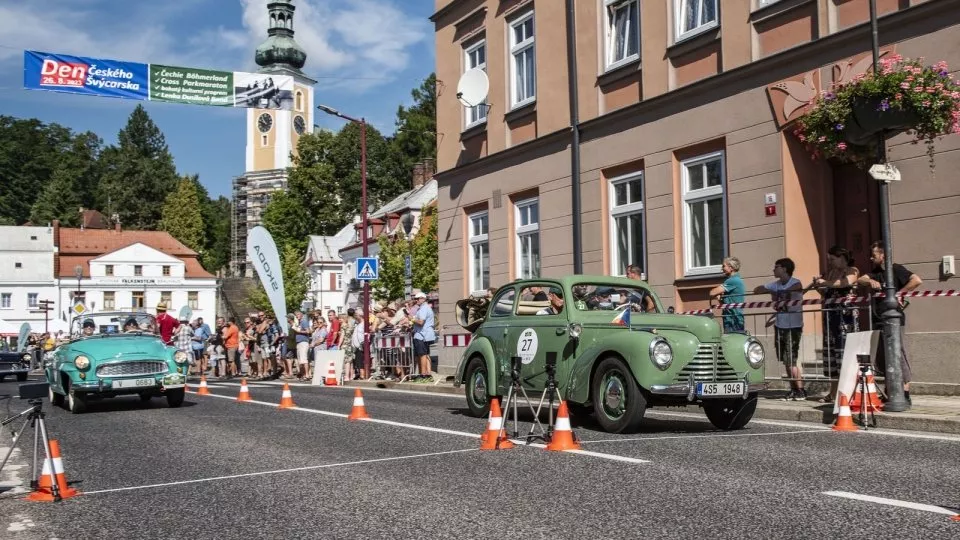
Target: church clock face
{"x": 300, "y": 125}
{"x": 264, "y": 123}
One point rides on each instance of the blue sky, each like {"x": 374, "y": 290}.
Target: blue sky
{"x": 367, "y": 55}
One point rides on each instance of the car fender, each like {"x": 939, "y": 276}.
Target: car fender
{"x": 733, "y": 352}
{"x": 480, "y": 346}
{"x": 631, "y": 346}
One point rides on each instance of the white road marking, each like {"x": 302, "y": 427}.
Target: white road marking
{"x": 710, "y": 436}
{"x": 891, "y": 502}
{"x": 350, "y": 388}
{"x": 437, "y": 430}
{"x": 279, "y": 471}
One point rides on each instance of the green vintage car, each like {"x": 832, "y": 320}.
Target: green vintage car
{"x": 113, "y": 354}
{"x": 616, "y": 352}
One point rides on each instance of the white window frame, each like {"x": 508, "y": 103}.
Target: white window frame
{"x": 521, "y": 231}
{"x": 704, "y": 194}
{"x": 339, "y": 280}
{"x": 679, "y": 10}
{"x": 33, "y": 299}
{"x": 623, "y": 211}
{"x": 193, "y": 299}
{"x": 112, "y": 299}
{"x": 609, "y": 7}
{"x": 476, "y": 115}
{"x": 6, "y": 300}
{"x": 517, "y": 49}
{"x": 474, "y": 240}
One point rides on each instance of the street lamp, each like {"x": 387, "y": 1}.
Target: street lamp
{"x": 363, "y": 224}
{"x": 77, "y": 271}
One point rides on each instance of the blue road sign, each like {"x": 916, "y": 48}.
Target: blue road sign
{"x": 407, "y": 267}
{"x": 368, "y": 268}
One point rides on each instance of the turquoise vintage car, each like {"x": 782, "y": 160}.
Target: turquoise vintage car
{"x": 616, "y": 352}
{"x": 115, "y": 354}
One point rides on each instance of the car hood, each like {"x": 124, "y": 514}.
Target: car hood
{"x": 119, "y": 347}
{"x": 705, "y": 329}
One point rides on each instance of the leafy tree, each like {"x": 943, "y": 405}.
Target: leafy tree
{"x": 416, "y": 136}
{"x": 424, "y": 251}
{"x": 383, "y": 182}
{"x": 286, "y": 219}
{"x": 393, "y": 252}
{"x": 29, "y": 154}
{"x": 314, "y": 183}
{"x": 216, "y": 224}
{"x": 138, "y": 173}
{"x": 296, "y": 282}
{"x": 182, "y": 215}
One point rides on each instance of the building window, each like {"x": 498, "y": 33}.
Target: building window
{"x": 108, "y": 270}
{"x": 137, "y": 270}
{"x": 339, "y": 282}
{"x": 193, "y": 299}
{"x": 476, "y": 58}
{"x": 299, "y": 105}
{"x": 523, "y": 61}
{"x": 695, "y": 16}
{"x": 32, "y": 299}
{"x": 623, "y": 31}
{"x": 528, "y": 238}
{"x": 166, "y": 297}
{"x": 6, "y": 300}
{"x": 109, "y": 300}
{"x": 18, "y": 265}
{"x": 166, "y": 270}
{"x": 479, "y": 251}
{"x": 137, "y": 299}
{"x": 704, "y": 216}
{"x": 627, "y": 223}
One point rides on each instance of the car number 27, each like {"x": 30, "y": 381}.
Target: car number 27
{"x": 527, "y": 345}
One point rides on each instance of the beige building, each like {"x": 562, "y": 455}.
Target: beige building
{"x": 686, "y": 155}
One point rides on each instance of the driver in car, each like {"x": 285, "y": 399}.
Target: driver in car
{"x": 89, "y": 327}
{"x": 555, "y": 296}
{"x": 131, "y": 325}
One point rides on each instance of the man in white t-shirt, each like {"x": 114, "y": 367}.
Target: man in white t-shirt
{"x": 788, "y": 323}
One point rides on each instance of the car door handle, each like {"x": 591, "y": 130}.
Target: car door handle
{"x": 561, "y": 331}
{"x": 504, "y": 331}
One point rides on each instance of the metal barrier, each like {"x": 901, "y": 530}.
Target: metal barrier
{"x": 394, "y": 352}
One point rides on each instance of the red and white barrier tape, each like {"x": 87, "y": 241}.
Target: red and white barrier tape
{"x": 848, "y": 300}
{"x": 392, "y": 342}
{"x": 456, "y": 340}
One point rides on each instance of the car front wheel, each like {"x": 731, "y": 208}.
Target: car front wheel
{"x": 477, "y": 388}
{"x": 175, "y": 397}
{"x": 55, "y": 398}
{"x": 730, "y": 414}
{"x": 75, "y": 402}
{"x": 618, "y": 403}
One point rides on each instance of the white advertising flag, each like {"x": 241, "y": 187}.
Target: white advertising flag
{"x": 262, "y": 251}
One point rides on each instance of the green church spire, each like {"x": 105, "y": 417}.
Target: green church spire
{"x": 280, "y": 51}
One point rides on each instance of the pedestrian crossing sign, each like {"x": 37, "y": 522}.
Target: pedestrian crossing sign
{"x": 367, "y": 269}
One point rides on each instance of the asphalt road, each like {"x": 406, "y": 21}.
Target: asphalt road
{"x": 216, "y": 468}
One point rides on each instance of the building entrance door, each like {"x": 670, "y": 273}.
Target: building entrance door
{"x": 856, "y": 212}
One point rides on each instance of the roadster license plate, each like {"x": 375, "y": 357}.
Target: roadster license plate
{"x": 720, "y": 389}
{"x": 135, "y": 383}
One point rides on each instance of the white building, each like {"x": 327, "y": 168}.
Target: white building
{"x": 26, "y": 276}
{"x": 325, "y": 267}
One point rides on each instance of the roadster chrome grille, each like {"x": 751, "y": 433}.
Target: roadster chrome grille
{"x": 708, "y": 366}
{"x": 131, "y": 369}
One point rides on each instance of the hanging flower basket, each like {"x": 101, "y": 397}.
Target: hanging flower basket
{"x": 845, "y": 123}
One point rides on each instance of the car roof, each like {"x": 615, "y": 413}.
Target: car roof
{"x": 575, "y": 279}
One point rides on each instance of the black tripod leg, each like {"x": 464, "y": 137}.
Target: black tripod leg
{"x": 14, "y": 444}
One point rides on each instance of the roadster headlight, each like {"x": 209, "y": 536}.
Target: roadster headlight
{"x": 575, "y": 330}
{"x": 754, "y": 353}
{"x": 661, "y": 354}
{"x": 25, "y": 358}
{"x": 82, "y": 362}
{"x": 180, "y": 357}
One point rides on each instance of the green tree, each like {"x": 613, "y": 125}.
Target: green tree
{"x": 314, "y": 183}
{"x": 416, "y": 135}
{"x": 29, "y": 154}
{"x": 138, "y": 173}
{"x": 383, "y": 181}
{"x": 424, "y": 251}
{"x": 285, "y": 218}
{"x": 182, "y": 215}
{"x": 216, "y": 229}
{"x": 393, "y": 252}
{"x": 296, "y": 282}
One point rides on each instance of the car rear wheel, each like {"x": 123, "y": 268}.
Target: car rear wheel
{"x": 477, "y": 388}
{"x": 75, "y": 402}
{"x": 175, "y": 397}
{"x": 730, "y": 414}
{"x": 618, "y": 403}
{"x": 55, "y": 398}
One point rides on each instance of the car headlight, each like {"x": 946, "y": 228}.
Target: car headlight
{"x": 82, "y": 362}
{"x": 575, "y": 330}
{"x": 754, "y": 353}
{"x": 180, "y": 357}
{"x": 661, "y": 354}
{"x": 25, "y": 358}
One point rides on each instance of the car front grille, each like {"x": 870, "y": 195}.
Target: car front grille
{"x": 131, "y": 369}
{"x": 705, "y": 368}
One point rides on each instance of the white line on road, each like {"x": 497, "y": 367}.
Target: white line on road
{"x": 279, "y": 471}
{"x": 710, "y": 436}
{"x": 350, "y": 388}
{"x": 891, "y": 502}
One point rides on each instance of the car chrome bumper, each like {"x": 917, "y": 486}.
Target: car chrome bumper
{"x": 689, "y": 389}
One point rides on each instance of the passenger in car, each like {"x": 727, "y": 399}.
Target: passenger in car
{"x": 555, "y": 296}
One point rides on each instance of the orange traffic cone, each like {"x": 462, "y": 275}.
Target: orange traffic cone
{"x": 202, "y": 390}
{"x": 44, "y": 490}
{"x": 562, "y": 433}
{"x": 286, "y": 399}
{"x": 331, "y": 379}
{"x": 873, "y": 397}
{"x": 956, "y": 517}
{"x": 844, "y": 419}
{"x": 244, "y": 392}
{"x": 871, "y": 401}
{"x": 494, "y": 438}
{"x": 359, "y": 411}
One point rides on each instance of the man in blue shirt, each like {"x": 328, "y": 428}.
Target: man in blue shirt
{"x": 423, "y": 335}
{"x": 201, "y": 333}
{"x": 302, "y": 330}
{"x": 732, "y": 291}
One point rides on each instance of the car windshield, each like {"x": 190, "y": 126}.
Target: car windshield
{"x": 595, "y": 297}
{"x": 93, "y": 324}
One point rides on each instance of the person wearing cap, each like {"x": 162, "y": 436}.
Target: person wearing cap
{"x": 423, "y": 335}
{"x": 89, "y": 327}
{"x": 166, "y": 323}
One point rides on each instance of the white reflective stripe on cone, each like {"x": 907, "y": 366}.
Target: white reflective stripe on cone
{"x": 358, "y": 402}
{"x": 496, "y": 423}
{"x": 562, "y": 424}
{"x": 57, "y": 465}
{"x": 845, "y": 411}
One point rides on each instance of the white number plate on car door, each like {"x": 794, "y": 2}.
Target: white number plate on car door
{"x": 135, "y": 383}
{"x": 720, "y": 389}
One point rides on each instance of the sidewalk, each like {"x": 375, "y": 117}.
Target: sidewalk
{"x": 937, "y": 414}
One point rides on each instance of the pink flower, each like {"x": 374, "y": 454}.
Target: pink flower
{"x": 909, "y": 78}
{"x": 931, "y": 90}
{"x": 898, "y": 96}
{"x": 926, "y": 103}
{"x": 905, "y": 85}
{"x": 918, "y": 89}
{"x": 842, "y": 146}
{"x": 802, "y": 138}
{"x": 955, "y": 95}
{"x": 822, "y": 139}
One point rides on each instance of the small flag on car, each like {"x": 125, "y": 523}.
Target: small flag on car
{"x": 623, "y": 319}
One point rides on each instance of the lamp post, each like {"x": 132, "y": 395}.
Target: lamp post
{"x": 363, "y": 224}
{"x": 77, "y": 271}
{"x": 891, "y": 318}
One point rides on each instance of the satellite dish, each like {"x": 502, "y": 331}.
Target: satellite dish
{"x": 473, "y": 87}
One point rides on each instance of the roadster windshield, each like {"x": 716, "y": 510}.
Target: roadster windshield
{"x": 93, "y": 324}
{"x": 591, "y": 297}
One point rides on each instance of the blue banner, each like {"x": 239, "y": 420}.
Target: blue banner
{"x": 87, "y": 76}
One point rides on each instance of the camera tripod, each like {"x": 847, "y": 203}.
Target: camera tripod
{"x": 865, "y": 402}
{"x": 546, "y": 398}
{"x": 33, "y": 417}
